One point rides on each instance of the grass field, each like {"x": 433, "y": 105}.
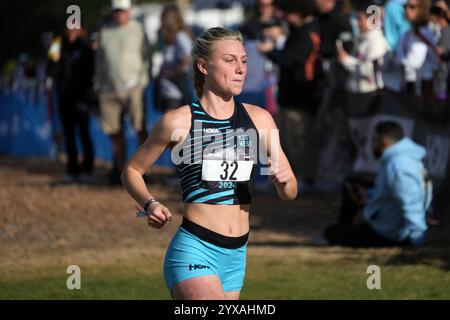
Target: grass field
{"x": 45, "y": 227}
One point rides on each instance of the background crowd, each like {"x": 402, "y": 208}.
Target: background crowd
{"x": 319, "y": 66}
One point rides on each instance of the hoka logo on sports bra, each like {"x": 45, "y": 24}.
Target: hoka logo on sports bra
{"x": 210, "y": 130}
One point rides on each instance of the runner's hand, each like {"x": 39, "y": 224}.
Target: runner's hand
{"x": 279, "y": 173}
{"x": 158, "y": 215}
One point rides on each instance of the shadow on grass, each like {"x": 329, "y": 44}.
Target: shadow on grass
{"x": 428, "y": 255}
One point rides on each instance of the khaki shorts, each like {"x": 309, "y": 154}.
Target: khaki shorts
{"x": 114, "y": 105}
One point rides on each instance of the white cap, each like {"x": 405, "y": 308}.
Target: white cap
{"x": 121, "y": 4}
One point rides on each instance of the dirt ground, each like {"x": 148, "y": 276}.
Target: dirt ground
{"x": 38, "y": 212}
{"x": 42, "y": 220}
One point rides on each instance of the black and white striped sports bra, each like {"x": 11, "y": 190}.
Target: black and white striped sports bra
{"x": 216, "y": 160}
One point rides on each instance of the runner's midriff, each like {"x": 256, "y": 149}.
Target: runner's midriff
{"x": 227, "y": 220}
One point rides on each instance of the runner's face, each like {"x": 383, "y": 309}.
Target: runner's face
{"x": 227, "y": 67}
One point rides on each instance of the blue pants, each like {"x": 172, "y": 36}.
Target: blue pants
{"x": 189, "y": 256}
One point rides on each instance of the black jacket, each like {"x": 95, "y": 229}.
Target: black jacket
{"x": 253, "y": 29}
{"x": 298, "y": 62}
{"x": 75, "y": 70}
{"x": 333, "y": 26}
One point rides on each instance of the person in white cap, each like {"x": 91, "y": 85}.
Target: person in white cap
{"x": 122, "y": 73}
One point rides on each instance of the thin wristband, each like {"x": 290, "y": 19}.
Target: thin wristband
{"x": 148, "y": 203}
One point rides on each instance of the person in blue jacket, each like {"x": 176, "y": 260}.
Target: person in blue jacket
{"x": 393, "y": 211}
{"x": 395, "y": 23}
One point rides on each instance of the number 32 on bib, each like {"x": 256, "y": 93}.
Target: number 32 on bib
{"x": 222, "y": 170}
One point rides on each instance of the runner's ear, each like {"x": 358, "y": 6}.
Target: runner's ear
{"x": 202, "y": 67}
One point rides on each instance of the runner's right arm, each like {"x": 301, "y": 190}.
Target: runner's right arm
{"x": 159, "y": 140}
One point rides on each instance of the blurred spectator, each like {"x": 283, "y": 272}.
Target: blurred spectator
{"x": 395, "y": 22}
{"x": 263, "y": 17}
{"x": 329, "y": 126}
{"x": 122, "y": 72}
{"x": 395, "y": 26}
{"x": 174, "y": 86}
{"x": 381, "y": 4}
{"x": 49, "y": 63}
{"x": 441, "y": 204}
{"x": 443, "y": 4}
{"x": 261, "y": 82}
{"x": 75, "y": 70}
{"x": 364, "y": 83}
{"x": 297, "y": 87}
{"x": 439, "y": 19}
{"x": 394, "y": 210}
{"x": 25, "y": 72}
{"x": 334, "y": 25}
{"x": 417, "y": 50}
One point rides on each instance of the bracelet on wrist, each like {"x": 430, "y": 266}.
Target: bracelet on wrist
{"x": 148, "y": 204}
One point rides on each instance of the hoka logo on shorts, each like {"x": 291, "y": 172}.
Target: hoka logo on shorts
{"x": 197, "y": 267}
{"x": 211, "y": 130}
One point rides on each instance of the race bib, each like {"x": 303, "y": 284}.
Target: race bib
{"x": 223, "y": 170}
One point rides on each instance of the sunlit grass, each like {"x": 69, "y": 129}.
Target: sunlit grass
{"x": 293, "y": 273}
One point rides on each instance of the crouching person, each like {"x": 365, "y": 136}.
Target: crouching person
{"x": 393, "y": 211}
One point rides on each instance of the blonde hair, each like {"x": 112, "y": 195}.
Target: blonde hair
{"x": 203, "y": 49}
